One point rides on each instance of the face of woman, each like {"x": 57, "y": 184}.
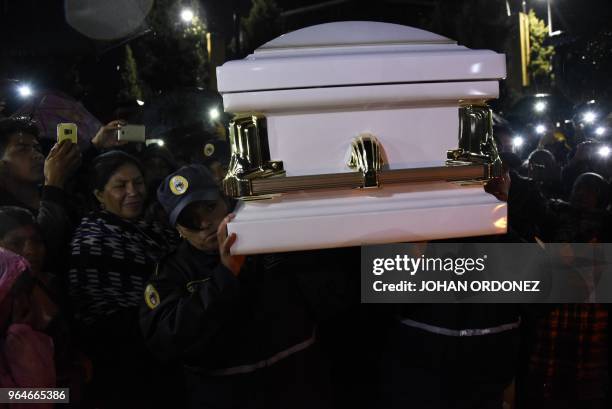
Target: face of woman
{"x": 27, "y": 242}
{"x": 124, "y": 193}
{"x": 204, "y": 219}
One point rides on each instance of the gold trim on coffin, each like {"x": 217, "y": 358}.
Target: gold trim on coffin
{"x": 367, "y": 158}
{"x": 252, "y": 175}
{"x": 476, "y": 143}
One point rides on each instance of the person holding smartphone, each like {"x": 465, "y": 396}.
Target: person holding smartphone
{"x": 24, "y": 169}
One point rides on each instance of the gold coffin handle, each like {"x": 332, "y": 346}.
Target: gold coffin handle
{"x": 252, "y": 175}
{"x": 353, "y": 180}
{"x": 367, "y": 158}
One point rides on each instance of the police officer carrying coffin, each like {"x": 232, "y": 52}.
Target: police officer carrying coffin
{"x": 240, "y": 327}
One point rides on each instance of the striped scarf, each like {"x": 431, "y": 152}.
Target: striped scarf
{"x": 111, "y": 259}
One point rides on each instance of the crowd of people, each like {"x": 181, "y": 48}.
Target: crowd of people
{"x": 117, "y": 281}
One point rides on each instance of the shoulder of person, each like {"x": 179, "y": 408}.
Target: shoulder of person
{"x": 515, "y": 176}
{"x": 177, "y": 265}
{"x": 179, "y": 272}
{"x": 167, "y": 233}
{"x": 165, "y": 264}
{"x": 559, "y": 205}
{"x": 96, "y": 218}
{"x": 90, "y": 226}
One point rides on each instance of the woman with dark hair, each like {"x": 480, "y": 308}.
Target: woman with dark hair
{"x": 113, "y": 253}
{"x": 20, "y": 234}
{"x": 26, "y": 351}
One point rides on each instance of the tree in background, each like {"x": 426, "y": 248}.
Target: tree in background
{"x": 130, "y": 82}
{"x": 173, "y": 54}
{"x": 262, "y": 24}
{"x": 540, "y": 66}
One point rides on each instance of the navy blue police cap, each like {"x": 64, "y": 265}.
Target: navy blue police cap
{"x": 189, "y": 184}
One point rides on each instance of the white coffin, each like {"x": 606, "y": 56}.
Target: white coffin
{"x": 320, "y": 87}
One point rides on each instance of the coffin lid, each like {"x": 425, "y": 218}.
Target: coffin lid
{"x": 353, "y": 33}
{"x": 357, "y": 53}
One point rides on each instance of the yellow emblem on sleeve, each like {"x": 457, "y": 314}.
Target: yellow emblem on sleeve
{"x": 151, "y": 297}
{"x": 178, "y": 185}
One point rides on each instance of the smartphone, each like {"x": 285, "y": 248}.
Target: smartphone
{"x": 67, "y": 131}
{"x": 131, "y": 133}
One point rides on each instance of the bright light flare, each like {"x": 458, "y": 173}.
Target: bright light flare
{"x": 540, "y": 106}
{"x": 24, "y": 91}
{"x": 518, "y": 141}
{"x": 139, "y": 102}
{"x": 540, "y": 129}
{"x": 214, "y": 114}
{"x": 158, "y": 142}
{"x": 501, "y": 223}
{"x": 589, "y": 117}
{"x": 187, "y": 15}
{"x": 600, "y": 131}
{"x": 604, "y": 151}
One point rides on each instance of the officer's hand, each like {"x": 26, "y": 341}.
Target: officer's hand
{"x": 499, "y": 186}
{"x": 233, "y": 263}
{"x": 63, "y": 159}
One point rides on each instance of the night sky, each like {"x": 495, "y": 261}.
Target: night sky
{"x": 38, "y": 45}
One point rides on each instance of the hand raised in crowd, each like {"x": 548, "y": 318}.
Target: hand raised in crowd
{"x": 232, "y": 262}
{"x": 107, "y": 135}
{"x": 63, "y": 159}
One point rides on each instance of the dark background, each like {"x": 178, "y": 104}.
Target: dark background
{"x": 38, "y": 46}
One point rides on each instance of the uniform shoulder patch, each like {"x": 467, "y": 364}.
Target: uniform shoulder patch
{"x": 179, "y": 185}
{"x": 151, "y": 296}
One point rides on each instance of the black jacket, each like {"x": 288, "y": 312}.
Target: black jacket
{"x": 476, "y": 355}
{"x": 200, "y": 315}
{"x": 208, "y": 319}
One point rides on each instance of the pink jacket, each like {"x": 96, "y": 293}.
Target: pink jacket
{"x": 26, "y": 355}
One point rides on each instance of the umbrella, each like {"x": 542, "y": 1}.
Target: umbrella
{"x": 51, "y": 108}
{"x": 108, "y": 19}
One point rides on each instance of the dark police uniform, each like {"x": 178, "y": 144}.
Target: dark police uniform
{"x": 244, "y": 342}
{"x": 459, "y": 356}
